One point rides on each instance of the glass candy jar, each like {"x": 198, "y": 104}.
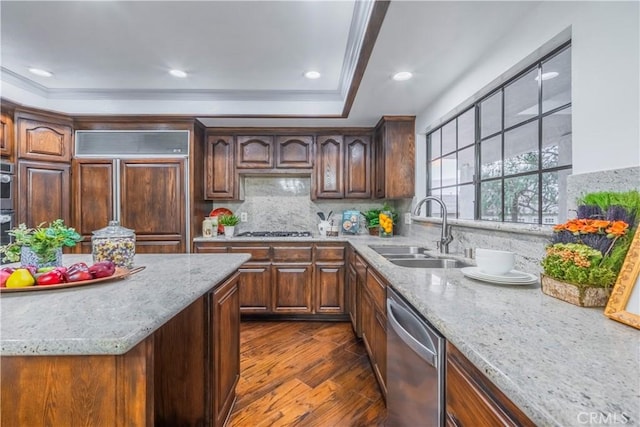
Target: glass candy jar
{"x": 386, "y": 224}
{"x": 114, "y": 243}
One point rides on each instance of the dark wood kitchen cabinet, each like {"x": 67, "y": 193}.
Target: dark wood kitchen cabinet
{"x": 288, "y": 279}
{"x": 357, "y": 168}
{"x": 7, "y": 139}
{"x": 44, "y": 192}
{"x": 225, "y": 348}
{"x": 43, "y": 137}
{"x": 395, "y": 157}
{"x": 343, "y": 167}
{"x": 219, "y": 173}
{"x": 374, "y": 325}
{"x": 329, "y": 180}
{"x": 254, "y": 152}
{"x": 151, "y": 201}
{"x": 294, "y": 152}
{"x": 472, "y": 400}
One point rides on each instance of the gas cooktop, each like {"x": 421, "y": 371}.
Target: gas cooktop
{"x": 275, "y": 234}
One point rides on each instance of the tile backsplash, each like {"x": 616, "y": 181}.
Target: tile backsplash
{"x": 284, "y": 203}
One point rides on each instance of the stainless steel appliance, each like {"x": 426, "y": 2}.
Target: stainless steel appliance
{"x": 415, "y": 367}
{"x": 275, "y": 234}
{"x": 7, "y": 206}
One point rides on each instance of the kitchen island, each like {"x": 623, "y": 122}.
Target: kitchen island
{"x": 138, "y": 351}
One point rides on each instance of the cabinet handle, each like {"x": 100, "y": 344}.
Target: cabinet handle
{"x": 292, "y": 270}
{"x": 251, "y": 270}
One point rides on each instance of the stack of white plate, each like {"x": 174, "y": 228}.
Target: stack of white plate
{"x": 514, "y": 277}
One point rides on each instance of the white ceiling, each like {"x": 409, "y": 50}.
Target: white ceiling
{"x": 243, "y": 58}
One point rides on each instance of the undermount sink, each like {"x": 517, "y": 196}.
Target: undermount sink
{"x": 429, "y": 263}
{"x": 388, "y": 251}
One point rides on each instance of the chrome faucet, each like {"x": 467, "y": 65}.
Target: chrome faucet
{"x": 445, "y": 235}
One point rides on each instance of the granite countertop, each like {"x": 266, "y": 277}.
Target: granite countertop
{"x": 563, "y": 365}
{"x": 111, "y": 317}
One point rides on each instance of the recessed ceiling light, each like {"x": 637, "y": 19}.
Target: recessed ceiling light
{"x": 547, "y": 76}
{"x": 312, "y": 75}
{"x": 402, "y": 75}
{"x": 40, "y": 72}
{"x": 178, "y": 73}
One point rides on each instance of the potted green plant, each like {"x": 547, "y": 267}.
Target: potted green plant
{"x": 229, "y": 223}
{"x": 372, "y": 218}
{"x": 40, "y": 246}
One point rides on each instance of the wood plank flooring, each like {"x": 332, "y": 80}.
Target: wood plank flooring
{"x": 311, "y": 374}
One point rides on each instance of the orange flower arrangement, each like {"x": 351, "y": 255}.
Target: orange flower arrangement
{"x": 594, "y": 226}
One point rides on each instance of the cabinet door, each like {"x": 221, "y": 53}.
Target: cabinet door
{"x": 152, "y": 202}
{"x": 352, "y": 299}
{"x": 472, "y": 400}
{"x": 329, "y": 167}
{"x": 6, "y": 134}
{"x": 357, "y": 170}
{"x": 44, "y": 139}
{"x": 226, "y": 349}
{"x": 294, "y": 152}
{"x": 292, "y": 288}
{"x": 367, "y": 316}
{"x": 380, "y": 350}
{"x": 254, "y": 152}
{"x": 219, "y": 174}
{"x": 44, "y": 192}
{"x": 395, "y": 157}
{"x": 93, "y": 194}
{"x": 255, "y": 288}
{"x": 379, "y": 162}
{"x": 329, "y": 289}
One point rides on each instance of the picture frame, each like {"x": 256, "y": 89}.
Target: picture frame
{"x": 624, "y": 303}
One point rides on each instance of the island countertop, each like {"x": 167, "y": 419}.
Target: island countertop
{"x": 110, "y": 317}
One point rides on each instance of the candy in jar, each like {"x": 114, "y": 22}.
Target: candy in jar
{"x": 114, "y": 243}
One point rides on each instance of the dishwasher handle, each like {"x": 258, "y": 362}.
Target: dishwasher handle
{"x": 426, "y": 352}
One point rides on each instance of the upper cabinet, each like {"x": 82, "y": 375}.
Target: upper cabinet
{"x": 329, "y": 167}
{"x": 295, "y": 152}
{"x": 219, "y": 172}
{"x": 343, "y": 167}
{"x": 254, "y": 152}
{"x": 44, "y": 138}
{"x": 7, "y": 140}
{"x": 395, "y": 157}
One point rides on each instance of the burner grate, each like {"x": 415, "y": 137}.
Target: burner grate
{"x": 275, "y": 234}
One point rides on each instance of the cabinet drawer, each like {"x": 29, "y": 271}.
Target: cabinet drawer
{"x": 208, "y": 248}
{"x": 378, "y": 290}
{"x": 258, "y": 253}
{"x": 330, "y": 253}
{"x": 292, "y": 254}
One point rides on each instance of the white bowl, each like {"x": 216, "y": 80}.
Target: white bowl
{"x": 496, "y": 262}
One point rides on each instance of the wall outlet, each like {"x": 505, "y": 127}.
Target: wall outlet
{"x": 407, "y": 218}
{"x": 243, "y": 217}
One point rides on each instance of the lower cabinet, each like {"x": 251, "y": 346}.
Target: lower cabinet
{"x": 472, "y": 400}
{"x": 225, "y": 348}
{"x": 289, "y": 278}
{"x": 184, "y": 374}
{"x": 44, "y": 192}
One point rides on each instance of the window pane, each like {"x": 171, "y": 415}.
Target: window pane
{"x": 467, "y": 128}
{"x": 521, "y": 99}
{"x": 435, "y": 180}
{"x": 521, "y": 199}
{"x": 556, "y": 88}
{"x": 466, "y": 165}
{"x": 449, "y": 170}
{"x": 449, "y": 196}
{"x": 432, "y": 209}
{"x": 435, "y": 144}
{"x": 491, "y": 115}
{"x": 491, "y": 200}
{"x": 521, "y": 149}
{"x": 556, "y": 139}
{"x": 449, "y": 137}
{"x": 554, "y": 207}
{"x": 491, "y": 157}
{"x": 466, "y": 201}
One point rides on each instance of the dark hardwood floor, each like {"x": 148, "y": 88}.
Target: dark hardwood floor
{"x": 305, "y": 374}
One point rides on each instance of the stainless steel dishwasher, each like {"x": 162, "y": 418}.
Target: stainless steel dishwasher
{"x": 415, "y": 368}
